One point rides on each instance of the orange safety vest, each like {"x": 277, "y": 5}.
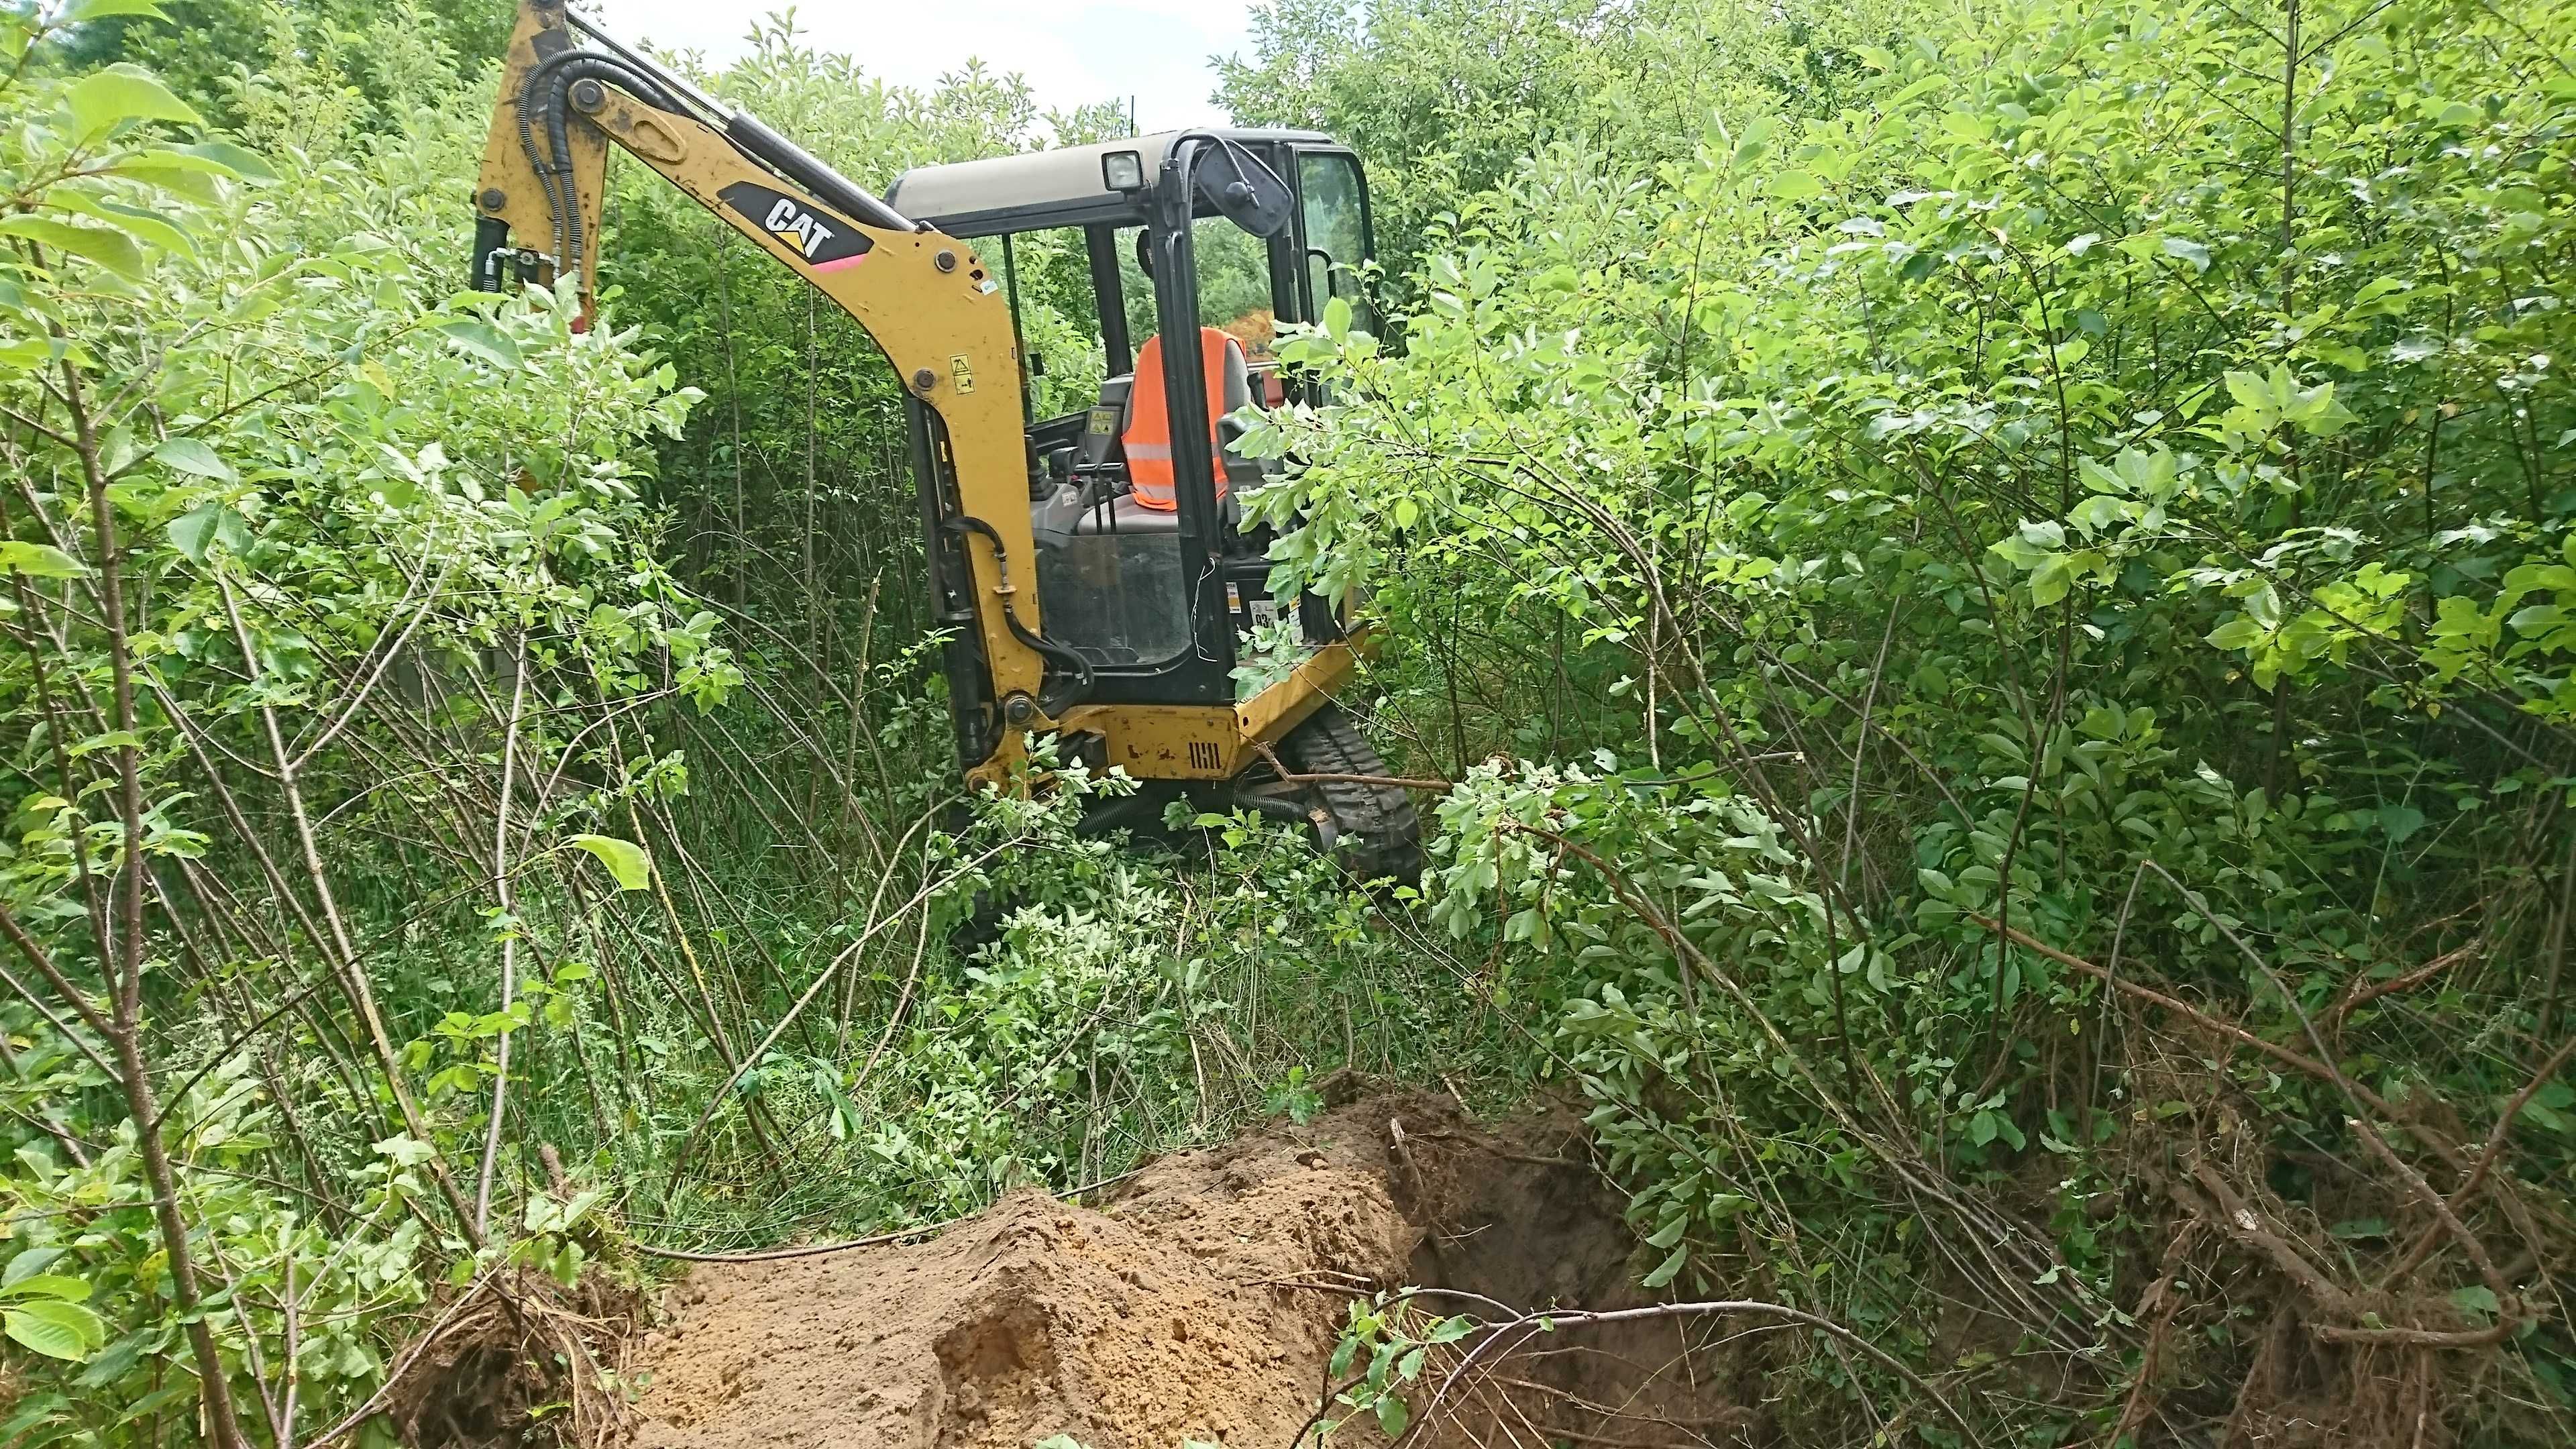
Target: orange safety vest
{"x": 1149, "y": 424}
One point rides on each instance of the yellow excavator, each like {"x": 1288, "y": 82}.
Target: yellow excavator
{"x": 1092, "y": 569}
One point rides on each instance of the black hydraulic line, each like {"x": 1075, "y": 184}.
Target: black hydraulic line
{"x": 706, "y": 105}
{"x": 491, "y": 235}
{"x": 557, "y": 75}
{"x": 1071, "y": 659}
{"x": 804, "y": 168}
{"x": 759, "y": 142}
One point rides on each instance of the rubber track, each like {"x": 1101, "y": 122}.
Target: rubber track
{"x": 1380, "y": 820}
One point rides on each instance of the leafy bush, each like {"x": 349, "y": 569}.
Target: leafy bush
{"x": 2078, "y": 494}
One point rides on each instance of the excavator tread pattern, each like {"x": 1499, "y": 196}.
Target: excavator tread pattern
{"x": 1379, "y": 822}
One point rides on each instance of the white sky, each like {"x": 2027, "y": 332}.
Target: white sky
{"x": 1071, "y": 51}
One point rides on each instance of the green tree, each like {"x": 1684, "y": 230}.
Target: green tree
{"x": 1446, "y": 99}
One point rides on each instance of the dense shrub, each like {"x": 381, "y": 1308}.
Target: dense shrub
{"x": 2079, "y": 502}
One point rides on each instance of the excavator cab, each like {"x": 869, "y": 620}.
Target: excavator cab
{"x": 1192, "y": 247}
{"x": 1087, "y": 557}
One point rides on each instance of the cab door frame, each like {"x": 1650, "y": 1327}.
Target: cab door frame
{"x": 1171, "y": 214}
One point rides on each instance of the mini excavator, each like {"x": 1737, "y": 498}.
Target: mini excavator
{"x": 1092, "y": 570}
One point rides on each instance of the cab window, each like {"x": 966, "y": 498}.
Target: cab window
{"x": 1336, "y": 231}
{"x": 1057, "y": 319}
{"x": 1234, "y": 285}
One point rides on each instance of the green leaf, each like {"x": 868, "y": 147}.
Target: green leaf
{"x": 28, "y": 1264}
{"x": 2049, "y": 581}
{"x": 39, "y": 1409}
{"x": 566, "y": 1266}
{"x": 145, "y": 226}
{"x": 2184, "y": 249}
{"x": 1797, "y": 186}
{"x": 1669, "y": 1234}
{"x": 2400, "y": 821}
{"x": 2249, "y": 389}
{"x": 53, "y": 1340}
{"x": 2018, "y": 551}
{"x": 1337, "y": 317}
{"x": 112, "y": 740}
{"x": 1393, "y": 1413}
{"x": 2476, "y": 1299}
{"x": 481, "y": 339}
{"x": 113, "y": 250}
{"x": 241, "y": 161}
{"x": 192, "y": 456}
{"x": 2237, "y": 633}
{"x": 81, "y": 12}
{"x": 56, "y": 1329}
{"x": 194, "y": 531}
{"x": 1670, "y": 1268}
{"x": 178, "y": 1390}
{"x": 625, "y": 859}
{"x": 42, "y": 560}
{"x": 108, "y": 98}
{"x": 201, "y": 158}
{"x": 48, "y": 1285}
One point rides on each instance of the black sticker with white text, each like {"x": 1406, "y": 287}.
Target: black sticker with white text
{"x": 825, "y": 241}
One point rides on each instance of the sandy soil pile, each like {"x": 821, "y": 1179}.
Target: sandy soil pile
{"x": 1196, "y": 1303}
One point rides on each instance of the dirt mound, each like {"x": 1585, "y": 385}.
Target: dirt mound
{"x": 1144, "y": 1322}
{"x": 1200, "y": 1301}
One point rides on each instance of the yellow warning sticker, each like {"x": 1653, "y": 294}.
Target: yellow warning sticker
{"x": 961, "y": 373}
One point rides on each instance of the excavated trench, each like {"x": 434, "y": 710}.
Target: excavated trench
{"x": 1199, "y": 1300}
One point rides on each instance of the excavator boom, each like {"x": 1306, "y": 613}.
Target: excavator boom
{"x": 926, "y": 299}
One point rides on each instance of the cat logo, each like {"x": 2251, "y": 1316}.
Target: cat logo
{"x": 825, "y": 242}
{"x": 798, "y": 227}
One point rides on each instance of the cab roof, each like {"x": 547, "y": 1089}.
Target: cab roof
{"x": 1046, "y": 188}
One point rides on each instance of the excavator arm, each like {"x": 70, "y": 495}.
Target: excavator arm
{"x": 568, "y": 91}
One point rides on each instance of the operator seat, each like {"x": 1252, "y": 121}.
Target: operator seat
{"x": 1145, "y": 426}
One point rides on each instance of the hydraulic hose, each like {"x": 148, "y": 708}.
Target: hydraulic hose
{"x": 556, "y": 75}
{"x": 756, "y": 140}
{"x": 1070, "y": 659}
{"x": 806, "y": 169}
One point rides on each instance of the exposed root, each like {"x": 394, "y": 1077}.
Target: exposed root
{"x": 511, "y": 1353}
